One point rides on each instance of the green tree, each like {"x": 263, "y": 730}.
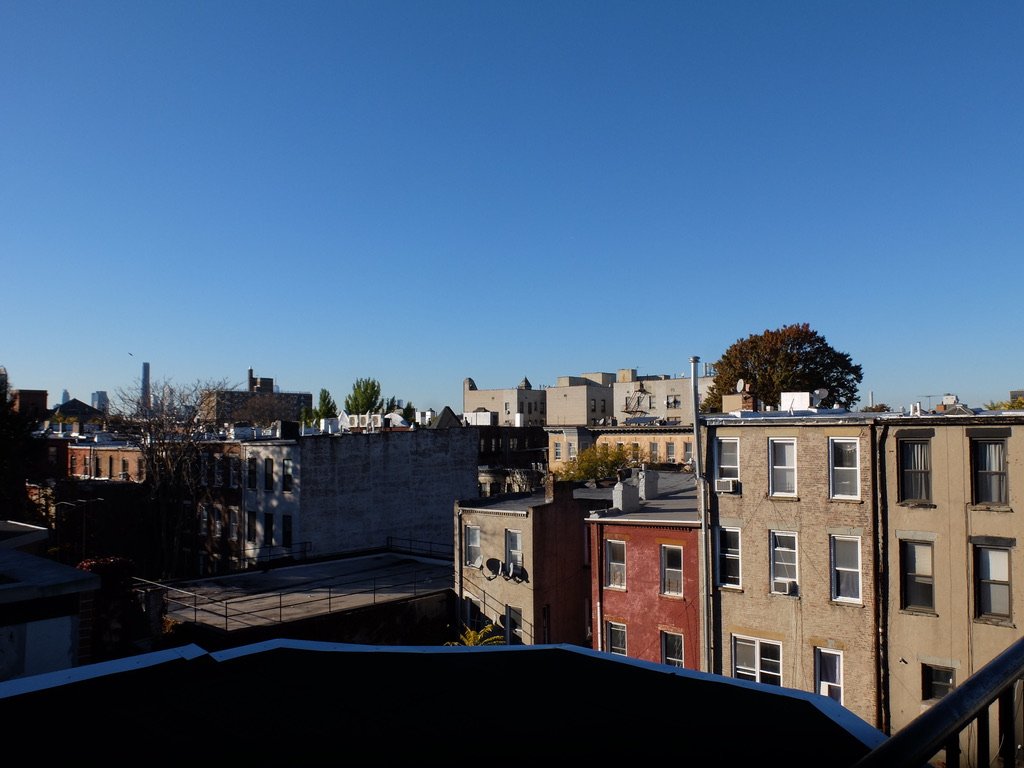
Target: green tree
{"x": 793, "y": 358}
{"x": 409, "y": 412}
{"x": 326, "y": 408}
{"x": 488, "y": 635}
{"x": 365, "y": 397}
{"x": 876, "y": 408}
{"x": 601, "y": 461}
{"x": 1017, "y": 404}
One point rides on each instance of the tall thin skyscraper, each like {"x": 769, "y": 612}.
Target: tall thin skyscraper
{"x": 147, "y": 394}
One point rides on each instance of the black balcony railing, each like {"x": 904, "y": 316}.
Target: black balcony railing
{"x": 941, "y": 727}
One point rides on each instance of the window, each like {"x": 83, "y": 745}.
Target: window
{"x": 124, "y": 469}
{"x": 513, "y": 625}
{"x": 218, "y": 524}
{"x": 473, "y": 554}
{"x": 236, "y": 471}
{"x": 828, "y": 673}
{"x": 757, "y": 660}
{"x": 204, "y": 467}
{"x": 728, "y": 458}
{"x": 616, "y": 638}
{"x": 593, "y": 405}
{"x": 572, "y": 450}
{"x": 653, "y": 450}
{"x": 672, "y": 649}
{"x": 936, "y": 682}
{"x": 844, "y": 467}
{"x": 670, "y": 453}
{"x": 671, "y": 570}
{"x": 728, "y": 557}
{"x": 915, "y": 480}
{"x": 634, "y": 451}
{"x": 604, "y": 406}
{"x": 688, "y": 455}
{"x": 268, "y": 528}
{"x": 218, "y": 470}
{"x": 783, "y": 563}
{"x": 286, "y": 475}
{"x": 73, "y": 468}
{"x": 989, "y": 457}
{"x": 250, "y": 525}
{"x": 514, "y": 547}
{"x": 251, "y": 473}
{"x": 615, "y": 564}
{"x": 233, "y": 523}
{"x": 992, "y": 582}
{"x": 846, "y": 568}
{"x": 916, "y": 576}
{"x": 268, "y": 474}
{"x": 140, "y": 470}
{"x": 782, "y": 461}
{"x": 558, "y": 451}
{"x": 204, "y": 520}
{"x": 286, "y": 530}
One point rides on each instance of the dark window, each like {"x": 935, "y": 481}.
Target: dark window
{"x": 286, "y": 477}
{"x": 989, "y": 457}
{"x": 286, "y": 530}
{"x": 936, "y": 682}
{"x": 915, "y": 470}
{"x": 992, "y": 582}
{"x": 268, "y": 474}
{"x": 251, "y": 473}
{"x": 268, "y": 528}
{"x": 917, "y": 577}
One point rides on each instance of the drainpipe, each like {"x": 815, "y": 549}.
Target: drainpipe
{"x": 705, "y": 531}
{"x": 459, "y": 564}
{"x": 880, "y": 502}
{"x": 598, "y": 607}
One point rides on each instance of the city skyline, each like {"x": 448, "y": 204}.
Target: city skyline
{"x": 423, "y": 193}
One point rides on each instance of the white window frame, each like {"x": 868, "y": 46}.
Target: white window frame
{"x": 513, "y": 547}
{"x": 614, "y": 568}
{"x": 836, "y": 471}
{"x": 558, "y": 451}
{"x": 764, "y": 668}
{"x": 773, "y": 468}
{"x": 732, "y": 471}
{"x": 838, "y": 571}
{"x": 473, "y": 552}
{"x": 670, "y": 452}
{"x": 670, "y": 657}
{"x": 822, "y": 684}
{"x": 616, "y": 630}
{"x": 917, "y": 569}
{"x": 667, "y": 572}
{"x": 785, "y": 576}
{"x": 728, "y": 554}
{"x": 572, "y": 450}
{"x": 989, "y": 576}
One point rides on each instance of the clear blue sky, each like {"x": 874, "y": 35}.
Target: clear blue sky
{"x": 425, "y": 191}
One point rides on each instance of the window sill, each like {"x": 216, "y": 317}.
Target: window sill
{"x": 917, "y": 504}
{"x": 847, "y": 603}
{"x": 730, "y": 588}
{"x": 989, "y": 508}
{"x": 841, "y": 500}
{"x": 993, "y": 621}
{"x": 773, "y": 497}
{"x": 919, "y": 612}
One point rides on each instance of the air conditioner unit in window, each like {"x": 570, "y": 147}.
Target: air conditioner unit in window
{"x": 725, "y": 485}
{"x": 784, "y": 587}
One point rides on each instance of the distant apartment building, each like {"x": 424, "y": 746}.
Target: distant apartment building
{"x": 586, "y": 400}
{"x": 657, "y": 398}
{"x": 260, "y": 404}
{"x": 651, "y": 442}
{"x": 522, "y": 406}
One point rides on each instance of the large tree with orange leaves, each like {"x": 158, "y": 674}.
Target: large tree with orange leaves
{"x": 793, "y": 358}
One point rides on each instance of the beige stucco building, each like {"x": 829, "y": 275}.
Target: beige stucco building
{"x": 522, "y": 406}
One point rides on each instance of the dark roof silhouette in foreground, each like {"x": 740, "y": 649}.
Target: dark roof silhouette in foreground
{"x": 292, "y": 702}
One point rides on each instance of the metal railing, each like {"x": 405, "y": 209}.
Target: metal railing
{"x": 941, "y": 727}
{"x": 289, "y": 605}
{"x": 420, "y": 547}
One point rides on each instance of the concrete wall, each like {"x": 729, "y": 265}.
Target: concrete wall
{"x": 949, "y": 636}
{"x": 809, "y": 619}
{"x": 359, "y": 489}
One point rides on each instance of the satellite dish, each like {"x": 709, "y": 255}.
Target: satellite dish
{"x": 820, "y": 394}
{"x": 740, "y": 384}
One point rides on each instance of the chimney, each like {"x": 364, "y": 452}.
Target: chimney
{"x": 648, "y": 483}
{"x": 626, "y": 497}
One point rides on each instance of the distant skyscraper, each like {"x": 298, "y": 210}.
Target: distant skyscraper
{"x": 100, "y": 401}
{"x": 147, "y": 394}
{"x": 64, "y": 397}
